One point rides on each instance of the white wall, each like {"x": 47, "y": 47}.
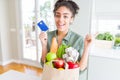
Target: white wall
{"x": 107, "y": 6}
{"x": 0, "y": 47}
{"x": 8, "y": 32}
{"x": 13, "y": 28}
{"x": 81, "y": 24}
{"x": 0, "y": 35}
{"x": 4, "y": 29}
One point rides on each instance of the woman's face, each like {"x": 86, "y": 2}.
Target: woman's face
{"x": 63, "y": 18}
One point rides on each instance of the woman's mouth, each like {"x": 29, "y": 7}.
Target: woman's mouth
{"x": 61, "y": 25}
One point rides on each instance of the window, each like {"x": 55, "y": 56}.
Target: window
{"x": 32, "y": 12}
{"x": 109, "y": 25}
{"x": 105, "y": 16}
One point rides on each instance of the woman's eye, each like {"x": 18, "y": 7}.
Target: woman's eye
{"x": 65, "y": 16}
{"x": 57, "y": 16}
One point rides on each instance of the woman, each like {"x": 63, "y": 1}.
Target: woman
{"x": 64, "y": 14}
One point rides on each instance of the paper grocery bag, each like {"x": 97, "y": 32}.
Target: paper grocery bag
{"x": 50, "y": 73}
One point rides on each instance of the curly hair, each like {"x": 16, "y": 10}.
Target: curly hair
{"x": 72, "y": 6}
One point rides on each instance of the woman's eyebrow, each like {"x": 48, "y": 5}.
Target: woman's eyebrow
{"x": 63, "y": 13}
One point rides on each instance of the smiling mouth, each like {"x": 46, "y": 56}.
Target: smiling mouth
{"x": 60, "y": 25}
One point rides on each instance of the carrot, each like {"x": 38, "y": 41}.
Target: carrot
{"x": 54, "y": 45}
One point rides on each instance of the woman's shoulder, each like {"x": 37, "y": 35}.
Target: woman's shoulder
{"x": 76, "y": 34}
{"x": 52, "y": 32}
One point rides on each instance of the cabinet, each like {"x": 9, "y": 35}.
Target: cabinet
{"x": 104, "y": 64}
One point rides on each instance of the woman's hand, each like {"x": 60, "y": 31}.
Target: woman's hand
{"x": 43, "y": 38}
{"x": 88, "y": 40}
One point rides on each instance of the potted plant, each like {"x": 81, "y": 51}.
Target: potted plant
{"x": 104, "y": 40}
{"x": 117, "y": 40}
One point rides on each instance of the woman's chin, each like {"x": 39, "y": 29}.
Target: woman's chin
{"x": 60, "y": 29}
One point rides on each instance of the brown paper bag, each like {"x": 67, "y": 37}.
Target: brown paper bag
{"x": 50, "y": 73}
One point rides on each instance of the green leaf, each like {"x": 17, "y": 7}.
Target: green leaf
{"x": 105, "y": 36}
{"x": 61, "y": 50}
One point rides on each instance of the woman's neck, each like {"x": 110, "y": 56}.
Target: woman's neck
{"x": 62, "y": 33}
{"x": 60, "y": 36}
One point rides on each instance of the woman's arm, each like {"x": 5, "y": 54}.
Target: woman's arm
{"x": 44, "y": 52}
{"x": 43, "y": 38}
{"x": 84, "y": 58}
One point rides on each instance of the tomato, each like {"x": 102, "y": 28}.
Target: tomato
{"x": 72, "y": 65}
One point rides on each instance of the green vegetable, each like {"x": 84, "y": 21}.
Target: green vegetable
{"x": 100, "y": 36}
{"x": 61, "y": 50}
{"x": 105, "y": 36}
{"x": 117, "y": 41}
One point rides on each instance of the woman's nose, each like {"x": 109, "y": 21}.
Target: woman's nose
{"x": 61, "y": 18}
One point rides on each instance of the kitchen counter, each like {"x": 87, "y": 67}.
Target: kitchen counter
{"x": 102, "y": 52}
